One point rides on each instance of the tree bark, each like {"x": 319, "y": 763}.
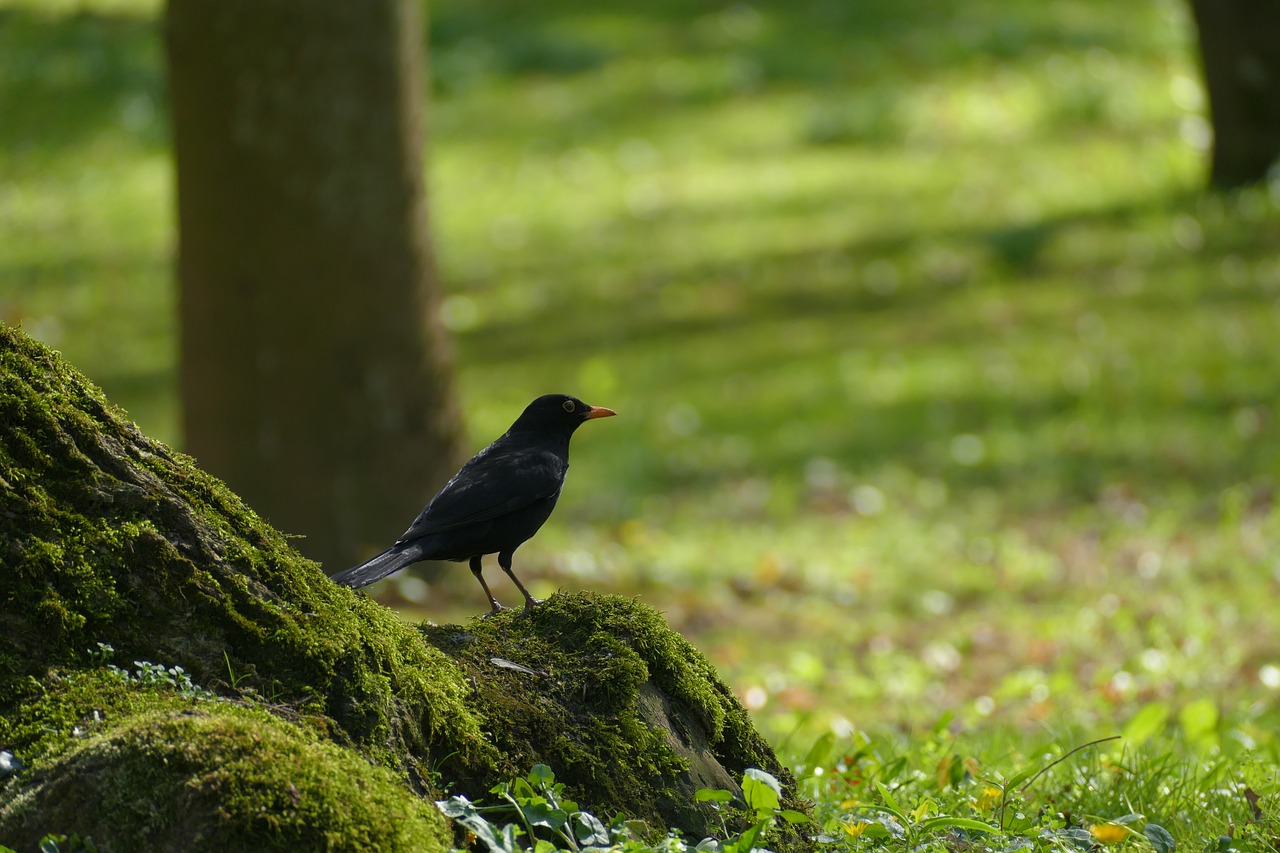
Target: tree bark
{"x": 315, "y": 376}
{"x": 1240, "y": 50}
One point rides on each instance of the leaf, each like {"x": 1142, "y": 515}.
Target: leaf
{"x": 715, "y": 795}
{"x": 1020, "y": 777}
{"x": 456, "y": 806}
{"x": 1075, "y": 836}
{"x": 1147, "y": 723}
{"x": 506, "y": 841}
{"x": 544, "y": 846}
{"x": 542, "y": 814}
{"x": 889, "y": 800}
{"x": 590, "y": 830}
{"x": 793, "y": 816}
{"x": 956, "y": 822}
{"x": 541, "y": 775}
{"x": 877, "y": 830}
{"x": 943, "y": 773}
{"x": 638, "y": 828}
{"x": 766, "y": 778}
{"x": 761, "y": 791}
{"x": 745, "y": 842}
{"x": 1160, "y": 838}
{"x": 465, "y": 812}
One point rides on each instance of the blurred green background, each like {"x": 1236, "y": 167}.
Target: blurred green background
{"x": 944, "y": 387}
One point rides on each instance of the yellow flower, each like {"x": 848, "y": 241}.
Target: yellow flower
{"x": 855, "y": 827}
{"x": 988, "y": 798}
{"x": 1109, "y": 833}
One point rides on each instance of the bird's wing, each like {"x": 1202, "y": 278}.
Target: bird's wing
{"x": 495, "y": 482}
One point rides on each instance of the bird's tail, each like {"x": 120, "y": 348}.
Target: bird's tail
{"x": 391, "y": 560}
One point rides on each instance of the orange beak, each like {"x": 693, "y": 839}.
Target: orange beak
{"x": 599, "y": 412}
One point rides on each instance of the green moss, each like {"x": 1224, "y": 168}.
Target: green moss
{"x": 139, "y": 768}
{"x": 109, "y": 537}
{"x": 600, "y": 689}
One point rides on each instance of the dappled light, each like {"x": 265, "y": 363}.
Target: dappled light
{"x": 948, "y": 398}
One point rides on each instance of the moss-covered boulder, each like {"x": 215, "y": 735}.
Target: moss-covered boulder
{"x": 146, "y": 768}
{"x": 306, "y": 716}
{"x": 629, "y": 715}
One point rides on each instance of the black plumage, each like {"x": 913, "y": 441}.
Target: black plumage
{"x": 496, "y": 502}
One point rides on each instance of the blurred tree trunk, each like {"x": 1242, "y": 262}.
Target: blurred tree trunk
{"x": 1240, "y": 48}
{"x": 315, "y": 375}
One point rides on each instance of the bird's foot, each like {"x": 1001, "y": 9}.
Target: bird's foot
{"x": 530, "y": 603}
{"x": 496, "y": 609}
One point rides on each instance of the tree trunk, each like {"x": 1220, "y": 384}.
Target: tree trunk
{"x": 315, "y": 375}
{"x": 1240, "y": 49}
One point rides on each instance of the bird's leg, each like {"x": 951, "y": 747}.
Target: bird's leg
{"x": 477, "y": 570}
{"x": 504, "y": 560}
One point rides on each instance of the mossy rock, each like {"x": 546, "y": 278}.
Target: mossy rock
{"x": 206, "y": 774}
{"x": 108, "y": 537}
{"x": 629, "y": 714}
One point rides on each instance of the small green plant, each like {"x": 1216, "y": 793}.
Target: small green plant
{"x": 233, "y": 679}
{"x": 538, "y": 803}
{"x": 58, "y": 843}
{"x": 892, "y": 820}
{"x": 535, "y": 816}
{"x": 763, "y": 795}
{"x": 156, "y": 674}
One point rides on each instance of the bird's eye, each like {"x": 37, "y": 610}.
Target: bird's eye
{"x": 568, "y": 405}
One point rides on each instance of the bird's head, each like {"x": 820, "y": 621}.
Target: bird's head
{"x": 558, "y": 413}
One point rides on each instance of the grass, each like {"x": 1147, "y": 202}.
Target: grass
{"x": 949, "y": 423}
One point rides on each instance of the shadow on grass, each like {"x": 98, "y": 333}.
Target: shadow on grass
{"x": 680, "y": 57}
{"x": 806, "y": 43}
{"x": 777, "y": 286}
{"x": 1153, "y": 415}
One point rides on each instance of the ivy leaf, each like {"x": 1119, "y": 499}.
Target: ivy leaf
{"x": 1160, "y": 838}
{"x": 541, "y": 774}
{"x": 590, "y": 831}
{"x": 542, "y": 814}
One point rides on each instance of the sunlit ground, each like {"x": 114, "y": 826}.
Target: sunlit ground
{"x": 948, "y": 401}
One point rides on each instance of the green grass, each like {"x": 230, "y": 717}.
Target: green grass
{"x": 946, "y": 395}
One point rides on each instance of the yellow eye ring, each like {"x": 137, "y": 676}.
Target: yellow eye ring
{"x": 568, "y": 405}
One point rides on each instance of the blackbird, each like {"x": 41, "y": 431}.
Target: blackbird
{"x": 495, "y": 502}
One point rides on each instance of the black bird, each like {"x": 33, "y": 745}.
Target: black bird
{"x": 495, "y": 502}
